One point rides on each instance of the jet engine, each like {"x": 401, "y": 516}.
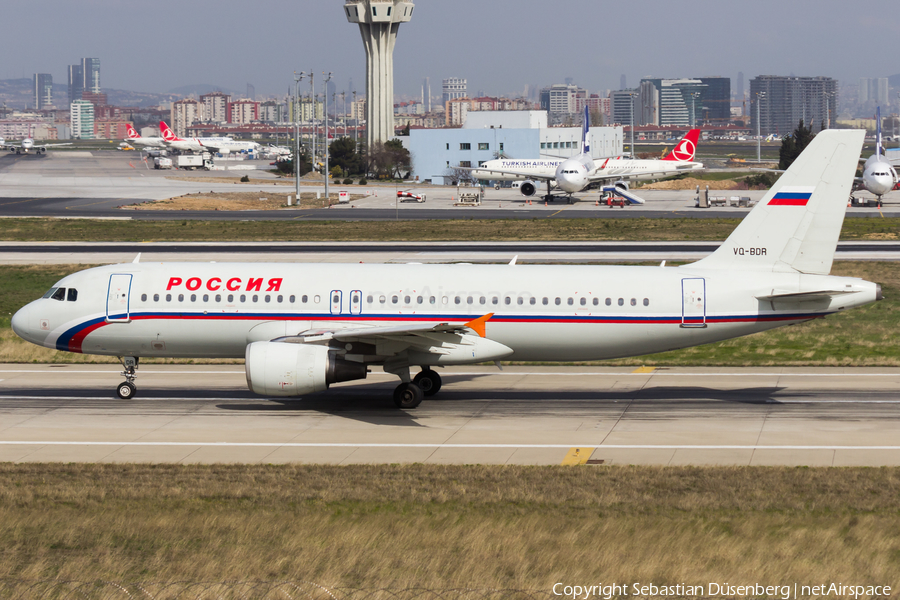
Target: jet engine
{"x": 286, "y": 369}
{"x": 528, "y": 188}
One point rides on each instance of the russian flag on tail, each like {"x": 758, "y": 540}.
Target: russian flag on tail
{"x": 788, "y": 196}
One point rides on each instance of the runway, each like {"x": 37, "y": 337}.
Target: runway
{"x": 521, "y": 415}
{"x": 112, "y": 185}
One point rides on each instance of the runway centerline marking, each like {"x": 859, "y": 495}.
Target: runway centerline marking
{"x": 437, "y": 445}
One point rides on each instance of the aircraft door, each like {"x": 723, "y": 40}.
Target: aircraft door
{"x": 355, "y": 302}
{"x": 693, "y": 302}
{"x": 336, "y": 302}
{"x": 118, "y": 308}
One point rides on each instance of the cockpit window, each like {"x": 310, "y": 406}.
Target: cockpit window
{"x": 73, "y": 295}
{"x": 49, "y": 292}
{"x": 59, "y": 294}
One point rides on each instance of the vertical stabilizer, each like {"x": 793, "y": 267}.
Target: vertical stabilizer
{"x": 167, "y": 133}
{"x": 585, "y": 131}
{"x": 795, "y": 227}
{"x": 878, "y": 131}
{"x": 686, "y": 149}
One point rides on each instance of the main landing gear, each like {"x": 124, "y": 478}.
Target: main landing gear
{"x": 410, "y": 394}
{"x": 126, "y": 390}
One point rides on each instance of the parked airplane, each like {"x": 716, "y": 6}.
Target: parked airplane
{"x": 302, "y": 327}
{"x": 574, "y": 174}
{"x": 28, "y": 145}
{"x": 137, "y": 139}
{"x": 879, "y": 176}
{"x": 222, "y": 145}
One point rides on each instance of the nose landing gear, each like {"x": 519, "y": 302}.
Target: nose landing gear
{"x": 127, "y": 389}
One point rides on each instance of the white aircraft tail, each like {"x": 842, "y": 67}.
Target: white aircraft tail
{"x": 878, "y": 145}
{"x": 795, "y": 227}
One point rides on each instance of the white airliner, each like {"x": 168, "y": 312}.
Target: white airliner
{"x": 28, "y": 146}
{"x": 572, "y": 175}
{"x": 137, "y": 139}
{"x": 302, "y": 327}
{"x": 879, "y": 176}
{"x": 222, "y": 145}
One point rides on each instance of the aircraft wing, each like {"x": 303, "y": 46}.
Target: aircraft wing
{"x": 596, "y": 177}
{"x": 522, "y": 174}
{"x": 393, "y": 332}
{"x": 51, "y": 145}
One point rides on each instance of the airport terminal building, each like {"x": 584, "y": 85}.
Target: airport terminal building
{"x": 494, "y": 134}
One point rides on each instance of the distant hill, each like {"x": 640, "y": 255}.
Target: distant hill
{"x": 19, "y": 93}
{"x": 198, "y": 89}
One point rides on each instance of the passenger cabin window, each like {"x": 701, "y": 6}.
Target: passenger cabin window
{"x": 72, "y": 296}
{"x": 143, "y": 297}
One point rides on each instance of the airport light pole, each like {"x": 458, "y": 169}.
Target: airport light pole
{"x": 298, "y": 77}
{"x": 631, "y": 96}
{"x": 759, "y": 97}
{"x": 325, "y": 94}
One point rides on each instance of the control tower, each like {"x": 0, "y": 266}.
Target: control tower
{"x": 379, "y": 21}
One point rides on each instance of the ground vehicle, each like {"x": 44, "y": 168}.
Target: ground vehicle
{"x": 190, "y": 161}
{"x": 161, "y": 162}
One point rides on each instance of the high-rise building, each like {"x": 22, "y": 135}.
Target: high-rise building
{"x": 184, "y": 114}
{"x": 453, "y": 88}
{"x": 251, "y": 91}
{"x": 562, "y": 101}
{"x": 81, "y": 116}
{"x": 625, "y": 106}
{"x": 243, "y": 111}
{"x": 874, "y": 89}
{"x": 90, "y": 69}
{"x": 622, "y": 85}
{"x": 680, "y": 101}
{"x": 215, "y": 107}
{"x": 43, "y": 90}
{"x": 715, "y": 99}
{"x": 76, "y": 82}
{"x": 426, "y": 94}
{"x": 785, "y": 101}
{"x": 379, "y": 22}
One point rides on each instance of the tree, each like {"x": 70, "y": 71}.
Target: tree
{"x": 792, "y": 145}
{"x": 286, "y": 167}
{"x": 458, "y": 176}
{"x": 389, "y": 159}
{"x": 342, "y": 153}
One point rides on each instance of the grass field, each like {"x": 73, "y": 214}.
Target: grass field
{"x": 447, "y": 526}
{"x": 538, "y": 229}
{"x": 860, "y": 337}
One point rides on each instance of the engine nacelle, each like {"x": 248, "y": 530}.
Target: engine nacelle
{"x": 285, "y": 369}
{"x": 528, "y": 188}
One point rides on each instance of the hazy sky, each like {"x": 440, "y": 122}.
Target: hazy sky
{"x": 498, "y": 45}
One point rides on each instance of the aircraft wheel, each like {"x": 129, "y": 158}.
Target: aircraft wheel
{"x": 126, "y": 390}
{"x": 429, "y": 381}
{"x": 408, "y": 395}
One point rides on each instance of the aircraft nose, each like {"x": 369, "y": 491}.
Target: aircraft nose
{"x": 19, "y": 320}
{"x": 22, "y": 324}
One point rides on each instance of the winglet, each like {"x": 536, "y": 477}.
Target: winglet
{"x": 478, "y": 324}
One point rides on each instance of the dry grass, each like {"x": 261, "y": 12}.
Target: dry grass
{"x": 436, "y": 526}
{"x": 231, "y": 201}
{"x": 691, "y": 183}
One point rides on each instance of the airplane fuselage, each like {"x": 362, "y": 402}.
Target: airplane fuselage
{"x": 879, "y": 176}
{"x": 540, "y": 312}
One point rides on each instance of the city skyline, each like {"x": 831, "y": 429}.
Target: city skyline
{"x": 498, "y": 47}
